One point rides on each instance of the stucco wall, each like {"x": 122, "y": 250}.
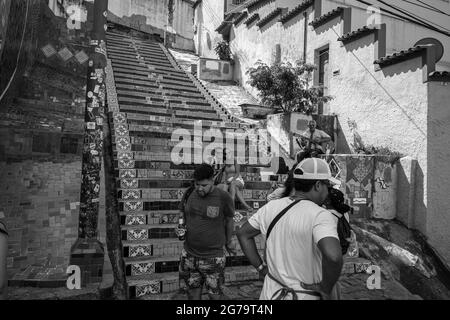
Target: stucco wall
{"x": 438, "y": 218}
{"x": 401, "y": 33}
{"x": 208, "y": 16}
{"x": 156, "y": 14}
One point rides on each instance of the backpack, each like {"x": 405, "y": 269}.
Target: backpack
{"x": 344, "y": 231}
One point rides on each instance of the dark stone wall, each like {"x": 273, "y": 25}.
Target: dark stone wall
{"x": 41, "y": 138}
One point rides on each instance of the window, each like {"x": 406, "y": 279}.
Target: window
{"x": 321, "y": 78}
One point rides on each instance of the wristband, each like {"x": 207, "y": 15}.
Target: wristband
{"x": 261, "y": 267}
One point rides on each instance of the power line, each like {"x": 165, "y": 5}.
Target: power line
{"x": 415, "y": 21}
{"x": 410, "y": 15}
{"x": 436, "y": 9}
{"x": 418, "y": 17}
{"x": 427, "y": 6}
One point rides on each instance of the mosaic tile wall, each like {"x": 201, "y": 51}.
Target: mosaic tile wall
{"x": 41, "y": 203}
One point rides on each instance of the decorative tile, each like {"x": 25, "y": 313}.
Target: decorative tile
{"x": 123, "y": 143}
{"x": 125, "y": 155}
{"x": 130, "y": 206}
{"x": 238, "y": 217}
{"x": 81, "y": 57}
{"x": 127, "y": 174}
{"x": 129, "y": 183}
{"x": 131, "y": 194}
{"x": 335, "y": 169}
{"x": 126, "y": 164}
{"x": 137, "y": 235}
{"x": 120, "y": 118}
{"x": 154, "y": 287}
{"x": 171, "y": 194}
{"x": 168, "y": 219}
{"x": 135, "y": 220}
{"x": 121, "y": 130}
{"x": 49, "y": 51}
{"x": 65, "y": 54}
{"x": 140, "y": 251}
{"x": 138, "y": 269}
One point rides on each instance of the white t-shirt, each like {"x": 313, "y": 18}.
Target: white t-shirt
{"x": 292, "y": 252}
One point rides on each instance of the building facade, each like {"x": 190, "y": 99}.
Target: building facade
{"x": 388, "y": 75}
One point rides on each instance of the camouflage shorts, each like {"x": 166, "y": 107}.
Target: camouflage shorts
{"x": 198, "y": 271}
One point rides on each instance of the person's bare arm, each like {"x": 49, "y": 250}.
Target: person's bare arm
{"x": 229, "y": 227}
{"x": 331, "y": 266}
{"x": 246, "y": 236}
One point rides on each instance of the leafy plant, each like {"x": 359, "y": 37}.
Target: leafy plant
{"x": 223, "y": 51}
{"x": 286, "y": 87}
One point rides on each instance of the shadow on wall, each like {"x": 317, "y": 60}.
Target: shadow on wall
{"x": 342, "y": 146}
{"x": 293, "y": 21}
{"x": 363, "y": 42}
{"x": 327, "y": 26}
{"x": 395, "y": 70}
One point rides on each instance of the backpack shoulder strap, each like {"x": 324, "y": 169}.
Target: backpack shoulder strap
{"x": 278, "y": 217}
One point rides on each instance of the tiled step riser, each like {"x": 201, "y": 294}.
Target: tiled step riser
{"x": 172, "y": 249}
{"x": 155, "y": 111}
{"x": 171, "y": 285}
{"x": 249, "y": 174}
{"x": 134, "y": 164}
{"x": 156, "y": 90}
{"x": 130, "y": 50}
{"x": 147, "y": 72}
{"x": 152, "y": 268}
{"x": 147, "y": 68}
{"x": 169, "y": 84}
{"x": 136, "y": 58}
{"x": 161, "y": 97}
{"x": 177, "y": 194}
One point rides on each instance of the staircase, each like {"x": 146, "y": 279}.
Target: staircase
{"x": 149, "y": 96}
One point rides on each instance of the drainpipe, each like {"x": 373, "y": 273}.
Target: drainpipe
{"x": 305, "y": 35}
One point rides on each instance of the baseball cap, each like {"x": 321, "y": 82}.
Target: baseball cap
{"x": 314, "y": 169}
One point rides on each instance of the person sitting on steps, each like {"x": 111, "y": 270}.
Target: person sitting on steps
{"x": 232, "y": 180}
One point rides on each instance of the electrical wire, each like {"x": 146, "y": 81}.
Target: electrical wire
{"x": 412, "y": 16}
{"x": 418, "y": 17}
{"x": 18, "y": 55}
{"x": 427, "y": 6}
{"x": 407, "y": 19}
{"x": 436, "y": 9}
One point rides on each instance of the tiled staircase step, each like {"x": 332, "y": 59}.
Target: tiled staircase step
{"x": 176, "y": 87}
{"x": 133, "y": 57}
{"x": 160, "y": 165}
{"x": 125, "y": 77}
{"x": 149, "y": 109}
{"x": 158, "y": 96}
{"x": 152, "y": 194}
{"x": 157, "y": 165}
{"x": 124, "y": 51}
{"x": 161, "y": 205}
{"x": 153, "y": 88}
{"x": 155, "y": 284}
{"x": 136, "y": 251}
{"x": 122, "y": 79}
{"x": 129, "y": 47}
{"x": 167, "y": 80}
{"x": 148, "y": 68}
{"x": 142, "y": 65}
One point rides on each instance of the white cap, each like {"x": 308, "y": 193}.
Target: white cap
{"x": 314, "y": 169}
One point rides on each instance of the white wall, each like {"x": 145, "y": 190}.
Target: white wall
{"x": 156, "y": 13}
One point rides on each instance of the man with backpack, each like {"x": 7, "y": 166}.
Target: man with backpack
{"x": 303, "y": 252}
{"x": 208, "y": 212}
